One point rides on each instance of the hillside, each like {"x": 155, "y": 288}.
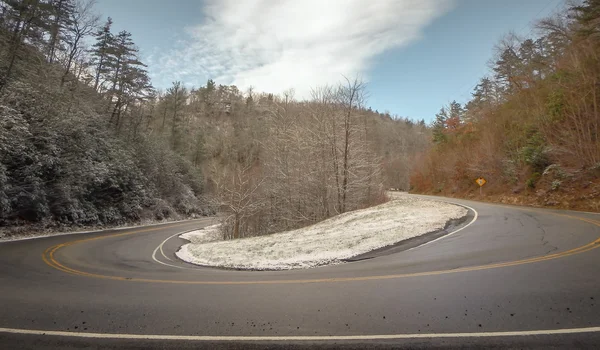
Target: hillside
{"x": 531, "y": 127}
{"x": 62, "y": 165}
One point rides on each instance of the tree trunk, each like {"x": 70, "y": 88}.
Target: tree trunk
{"x": 345, "y": 165}
{"x": 236, "y": 227}
{"x": 54, "y": 33}
{"x": 98, "y": 70}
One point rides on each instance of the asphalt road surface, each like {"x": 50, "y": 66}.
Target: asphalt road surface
{"x": 512, "y": 277}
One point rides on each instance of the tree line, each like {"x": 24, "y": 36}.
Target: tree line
{"x": 85, "y": 139}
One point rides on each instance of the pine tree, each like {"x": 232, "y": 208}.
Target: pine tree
{"x": 587, "y": 15}
{"x": 506, "y": 69}
{"x": 177, "y": 95}
{"x": 439, "y": 126}
{"x": 211, "y": 86}
{"x": 61, "y": 18}
{"x": 101, "y": 50}
{"x": 126, "y": 74}
{"x": 484, "y": 92}
{"x": 455, "y": 116}
{"x": 209, "y": 96}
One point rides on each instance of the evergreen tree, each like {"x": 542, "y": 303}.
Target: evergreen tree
{"x": 507, "y": 69}
{"x": 455, "y": 116}
{"x": 211, "y": 86}
{"x": 127, "y": 75}
{"x": 101, "y": 50}
{"x": 177, "y": 95}
{"x": 60, "y": 19}
{"x": 439, "y": 126}
{"x": 484, "y": 92}
{"x": 587, "y": 15}
{"x": 209, "y": 96}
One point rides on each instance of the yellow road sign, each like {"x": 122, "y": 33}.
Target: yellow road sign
{"x": 480, "y": 181}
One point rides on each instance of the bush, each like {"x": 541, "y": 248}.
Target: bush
{"x": 532, "y": 180}
{"x": 534, "y": 153}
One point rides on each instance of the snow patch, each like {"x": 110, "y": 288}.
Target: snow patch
{"x": 327, "y": 242}
{"x": 205, "y": 235}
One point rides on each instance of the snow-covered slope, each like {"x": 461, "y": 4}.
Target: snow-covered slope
{"x": 327, "y": 242}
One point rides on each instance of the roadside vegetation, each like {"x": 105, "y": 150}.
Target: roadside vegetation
{"x": 331, "y": 241}
{"x": 86, "y": 140}
{"x": 531, "y": 128}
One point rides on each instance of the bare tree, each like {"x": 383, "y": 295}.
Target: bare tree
{"x": 83, "y": 22}
{"x": 239, "y": 196}
{"x": 351, "y": 97}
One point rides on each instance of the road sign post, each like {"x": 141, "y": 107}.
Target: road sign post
{"x": 480, "y": 181}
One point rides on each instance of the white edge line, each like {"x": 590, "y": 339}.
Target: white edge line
{"x": 300, "y": 338}
{"x": 453, "y": 232}
{"x": 163, "y": 254}
{"x": 161, "y": 249}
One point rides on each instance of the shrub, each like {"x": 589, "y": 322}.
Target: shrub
{"x": 532, "y": 180}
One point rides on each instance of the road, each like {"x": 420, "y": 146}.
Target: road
{"x": 514, "y": 277}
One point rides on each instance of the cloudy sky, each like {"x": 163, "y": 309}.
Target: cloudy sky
{"x": 415, "y": 55}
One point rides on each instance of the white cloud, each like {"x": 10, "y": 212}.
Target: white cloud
{"x": 274, "y": 45}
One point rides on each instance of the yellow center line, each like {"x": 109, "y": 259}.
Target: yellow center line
{"x": 50, "y": 260}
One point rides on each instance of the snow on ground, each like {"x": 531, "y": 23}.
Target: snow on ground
{"x": 327, "y": 242}
{"x": 207, "y": 234}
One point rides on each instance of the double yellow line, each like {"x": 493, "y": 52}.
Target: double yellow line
{"x": 50, "y": 260}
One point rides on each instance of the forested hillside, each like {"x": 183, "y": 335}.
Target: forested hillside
{"x": 86, "y": 140}
{"x": 531, "y": 128}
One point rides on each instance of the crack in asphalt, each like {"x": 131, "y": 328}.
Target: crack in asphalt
{"x": 543, "y": 239}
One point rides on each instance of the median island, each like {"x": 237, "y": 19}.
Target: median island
{"x": 328, "y": 242}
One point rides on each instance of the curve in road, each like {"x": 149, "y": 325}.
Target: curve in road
{"x": 514, "y": 273}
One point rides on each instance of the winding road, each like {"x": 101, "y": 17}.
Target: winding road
{"x": 511, "y": 277}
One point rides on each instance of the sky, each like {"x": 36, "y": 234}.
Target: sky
{"x": 414, "y": 55}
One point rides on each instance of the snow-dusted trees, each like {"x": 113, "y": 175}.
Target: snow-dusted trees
{"x": 314, "y": 160}
{"x": 23, "y": 22}
{"x": 74, "y": 144}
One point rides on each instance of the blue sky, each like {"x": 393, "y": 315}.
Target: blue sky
{"x": 415, "y": 55}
